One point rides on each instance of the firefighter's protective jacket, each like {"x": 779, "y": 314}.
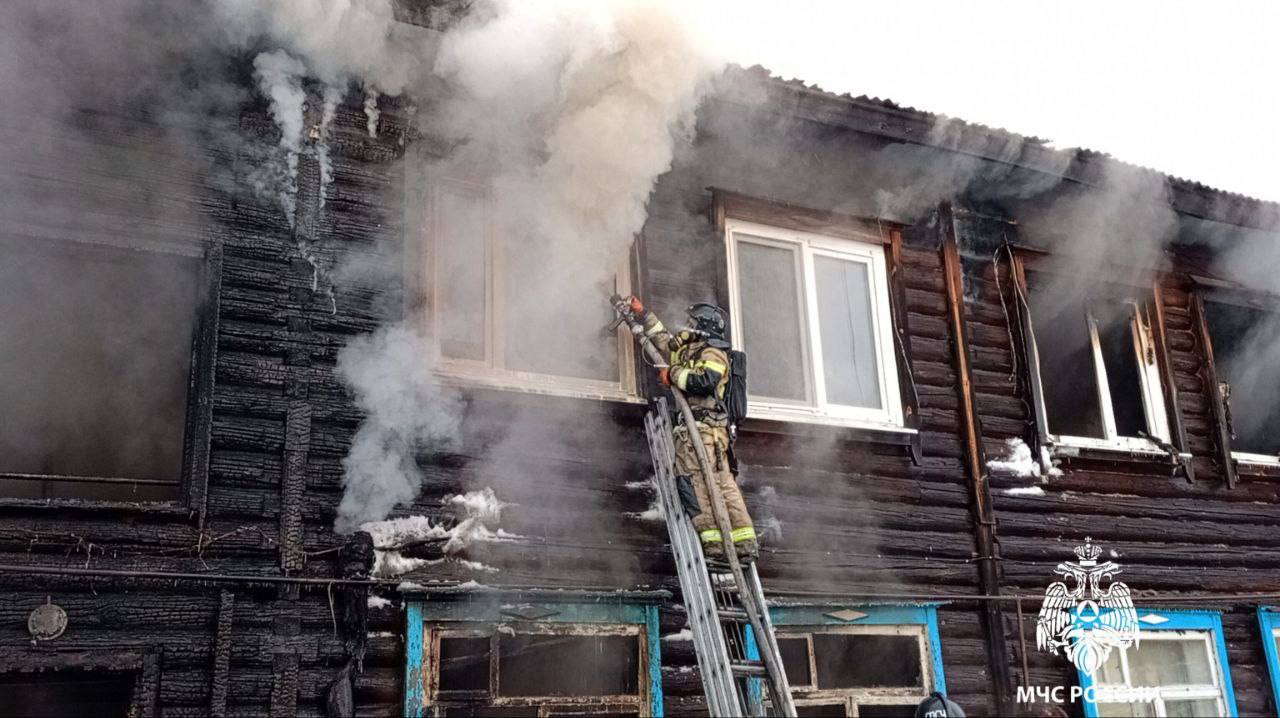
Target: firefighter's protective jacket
{"x": 697, "y": 368}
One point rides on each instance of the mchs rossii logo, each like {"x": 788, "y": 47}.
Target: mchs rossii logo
{"x": 1087, "y": 614}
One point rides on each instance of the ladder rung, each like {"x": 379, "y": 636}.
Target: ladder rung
{"x": 737, "y": 615}
{"x": 754, "y": 669}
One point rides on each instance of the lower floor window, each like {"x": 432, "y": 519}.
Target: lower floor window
{"x": 1178, "y": 668}
{"x": 825, "y": 654}
{"x": 65, "y": 693}
{"x": 1269, "y": 621}
{"x": 545, "y": 660}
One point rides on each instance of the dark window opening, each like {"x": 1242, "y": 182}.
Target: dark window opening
{"x": 847, "y": 660}
{"x": 1246, "y": 351}
{"x": 1115, "y": 338}
{"x": 69, "y": 693}
{"x": 464, "y": 664}
{"x": 95, "y": 364}
{"x": 795, "y": 660}
{"x": 478, "y": 711}
{"x": 1067, "y": 370}
{"x": 866, "y": 710}
{"x": 829, "y": 710}
{"x": 567, "y": 665}
{"x": 1089, "y": 347}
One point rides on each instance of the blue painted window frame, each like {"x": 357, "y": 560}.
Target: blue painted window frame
{"x": 877, "y": 615}
{"x": 420, "y": 613}
{"x": 1269, "y": 622}
{"x": 1179, "y": 620}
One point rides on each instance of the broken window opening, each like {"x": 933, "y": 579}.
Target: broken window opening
{"x": 1246, "y": 352}
{"x": 1097, "y": 366}
{"x": 830, "y": 675}
{"x": 538, "y": 669}
{"x": 97, "y": 350}
{"x": 66, "y": 693}
{"x": 813, "y": 312}
{"x": 496, "y": 299}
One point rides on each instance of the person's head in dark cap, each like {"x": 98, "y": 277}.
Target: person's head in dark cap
{"x": 937, "y": 706}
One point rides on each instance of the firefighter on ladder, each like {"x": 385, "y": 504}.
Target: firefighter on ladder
{"x": 699, "y": 366}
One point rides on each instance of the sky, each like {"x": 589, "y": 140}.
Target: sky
{"x": 1186, "y": 88}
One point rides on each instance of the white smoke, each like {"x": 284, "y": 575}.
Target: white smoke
{"x": 332, "y": 97}
{"x": 337, "y": 40}
{"x": 279, "y": 77}
{"x": 406, "y": 410}
{"x": 371, "y": 111}
{"x": 569, "y": 111}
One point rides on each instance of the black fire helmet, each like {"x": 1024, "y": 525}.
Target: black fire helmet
{"x": 709, "y": 320}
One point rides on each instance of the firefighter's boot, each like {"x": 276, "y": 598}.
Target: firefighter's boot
{"x": 748, "y": 550}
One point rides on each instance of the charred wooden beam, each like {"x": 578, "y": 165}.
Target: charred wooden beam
{"x": 1209, "y": 374}
{"x": 1169, "y": 384}
{"x": 975, "y": 466}
{"x": 297, "y": 443}
{"x": 284, "y": 685}
{"x": 222, "y": 656}
{"x": 196, "y": 449}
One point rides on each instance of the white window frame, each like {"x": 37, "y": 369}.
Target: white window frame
{"x": 490, "y": 371}
{"x": 1215, "y": 691}
{"x": 810, "y": 244}
{"x": 1150, "y": 388}
{"x": 851, "y": 697}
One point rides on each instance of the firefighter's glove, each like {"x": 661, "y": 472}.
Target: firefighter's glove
{"x": 664, "y": 376}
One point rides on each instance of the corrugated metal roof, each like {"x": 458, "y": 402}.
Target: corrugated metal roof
{"x": 1065, "y": 156}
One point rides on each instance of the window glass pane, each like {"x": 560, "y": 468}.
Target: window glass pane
{"x": 1245, "y": 344}
{"x": 556, "y": 317}
{"x": 461, "y": 266}
{"x": 1126, "y": 710}
{"x": 1067, "y": 370}
{"x": 829, "y": 710}
{"x": 1198, "y": 708}
{"x": 568, "y": 665}
{"x": 464, "y": 664}
{"x": 1170, "y": 662}
{"x": 842, "y": 661}
{"x": 487, "y": 712}
{"x": 795, "y": 660}
{"x": 846, "y": 332}
{"x": 1111, "y": 673}
{"x": 65, "y": 693}
{"x": 878, "y": 710}
{"x": 772, "y": 321}
{"x": 96, "y": 345}
{"x": 1118, "y": 354}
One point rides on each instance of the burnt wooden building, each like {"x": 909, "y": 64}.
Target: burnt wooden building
{"x": 958, "y": 375}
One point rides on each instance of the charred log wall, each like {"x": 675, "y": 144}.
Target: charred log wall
{"x": 280, "y": 423}
{"x": 1169, "y": 534}
{"x": 841, "y": 513}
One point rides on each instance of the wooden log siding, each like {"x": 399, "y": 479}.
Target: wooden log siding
{"x": 254, "y": 651}
{"x": 841, "y": 512}
{"x": 1171, "y": 533}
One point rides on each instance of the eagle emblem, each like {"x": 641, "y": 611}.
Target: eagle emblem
{"x": 1085, "y": 621}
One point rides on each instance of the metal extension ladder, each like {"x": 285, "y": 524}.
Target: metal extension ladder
{"x": 732, "y": 634}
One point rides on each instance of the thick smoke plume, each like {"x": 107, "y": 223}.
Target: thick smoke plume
{"x": 567, "y": 112}
{"x": 406, "y": 411}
